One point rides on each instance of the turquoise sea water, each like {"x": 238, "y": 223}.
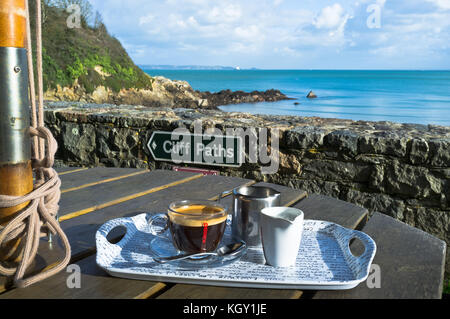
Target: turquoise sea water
{"x": 399, "y": 96}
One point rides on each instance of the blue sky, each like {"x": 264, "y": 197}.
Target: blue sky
{"x": 283, "y": 34}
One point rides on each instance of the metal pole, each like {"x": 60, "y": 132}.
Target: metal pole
{"x": 16, "y": 176}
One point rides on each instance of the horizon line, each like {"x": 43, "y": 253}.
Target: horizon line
{"x": 279, "y": 69}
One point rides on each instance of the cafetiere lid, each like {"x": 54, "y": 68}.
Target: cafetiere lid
{"x": 256, "y": 192}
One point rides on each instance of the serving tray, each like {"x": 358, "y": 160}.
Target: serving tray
{"x": 324, "y": 261}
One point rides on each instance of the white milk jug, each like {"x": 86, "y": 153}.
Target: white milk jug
{"x": 281, "y": 234}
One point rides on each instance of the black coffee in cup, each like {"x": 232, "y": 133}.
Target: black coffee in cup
{"x": 196, "y": 227}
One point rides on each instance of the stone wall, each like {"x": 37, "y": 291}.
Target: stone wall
{"x": 402, "y": 170}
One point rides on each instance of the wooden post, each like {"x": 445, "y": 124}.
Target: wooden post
{"x": 16, "y": 176}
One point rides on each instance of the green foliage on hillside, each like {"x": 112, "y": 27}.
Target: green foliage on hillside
{"x": 71, "y": 54}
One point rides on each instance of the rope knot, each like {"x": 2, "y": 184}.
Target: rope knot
{"x": 52, "y": 146}
{"x": 41, "y": 212}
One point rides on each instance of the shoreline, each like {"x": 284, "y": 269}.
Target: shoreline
{"x": 180, "y": 94}
{"x": 164, "y": 93}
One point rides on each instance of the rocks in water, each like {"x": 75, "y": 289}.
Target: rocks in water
{"x": 296, "y": 103}
{"x": 311, "y": 95}
{"x": 225, "y": 97}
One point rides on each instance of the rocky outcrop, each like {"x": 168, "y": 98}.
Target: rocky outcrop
{"x": 165, "y": 93}
{"x": 229, "y": 97}
{"x": 402, "y": 170}
{"x": 311, "y": 95}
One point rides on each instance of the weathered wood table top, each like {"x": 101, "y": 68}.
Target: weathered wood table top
{"x": 411, "y": 262}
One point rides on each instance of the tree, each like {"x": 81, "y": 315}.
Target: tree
{"x": 98, "y": 21}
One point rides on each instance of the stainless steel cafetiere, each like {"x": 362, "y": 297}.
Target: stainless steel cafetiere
{"x": 248, "y": 202}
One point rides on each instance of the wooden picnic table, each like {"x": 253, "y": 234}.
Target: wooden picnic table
{"x": 411, "y": 262}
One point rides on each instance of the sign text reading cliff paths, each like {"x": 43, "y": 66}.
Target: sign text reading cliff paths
{"x": 188, "y": 148}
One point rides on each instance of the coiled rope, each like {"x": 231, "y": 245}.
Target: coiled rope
{"x": 42, "y": 211}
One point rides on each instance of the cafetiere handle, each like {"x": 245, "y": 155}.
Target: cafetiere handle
{"x": 223, "y": 195}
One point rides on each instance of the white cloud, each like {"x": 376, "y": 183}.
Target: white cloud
{"x": 224, "y": 13}
{"x": 276, "y": 3}
{"x": 331, "y": 17}
{"x": 441, "y": 4}
{"x": 277, "y": 31}
{"x": 381, "y": 3}
{"x": 287, "y": 51}
{"x": 388, "y": 51}
{"x": 146, "y": 19}
{"x": 247, "y": 32}
{"x": 413, "y": 37}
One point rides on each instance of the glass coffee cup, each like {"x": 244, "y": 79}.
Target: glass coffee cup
{"x": 196, "y": 226}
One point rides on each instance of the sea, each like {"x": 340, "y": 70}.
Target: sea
{"x": 421, "y": 97}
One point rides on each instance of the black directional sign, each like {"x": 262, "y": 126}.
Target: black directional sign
{"x": 216, "y": 150}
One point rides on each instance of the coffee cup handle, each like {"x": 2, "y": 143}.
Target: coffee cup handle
{"x": 219, "y": 200}
{"x": 158, "y": 230}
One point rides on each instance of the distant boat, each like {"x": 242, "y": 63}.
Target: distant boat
{"x": 238, "y": 68}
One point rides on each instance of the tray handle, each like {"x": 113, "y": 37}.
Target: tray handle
{"x": 365, "y": 259}
{"x": 106, "y": 228}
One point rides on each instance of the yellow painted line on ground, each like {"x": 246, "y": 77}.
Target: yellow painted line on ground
{"x": 361, "y": 221}
{"x": 74, "y": 171}
{"x": 297, "y": 200}
{"x": 127, "y": 198}
{"x": 297, "y": 294}
{"x": 151, "y": 291}
{"x": 103, "y": 181}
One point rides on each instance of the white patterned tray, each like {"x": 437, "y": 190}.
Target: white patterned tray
{"x": 324, "y": 262}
